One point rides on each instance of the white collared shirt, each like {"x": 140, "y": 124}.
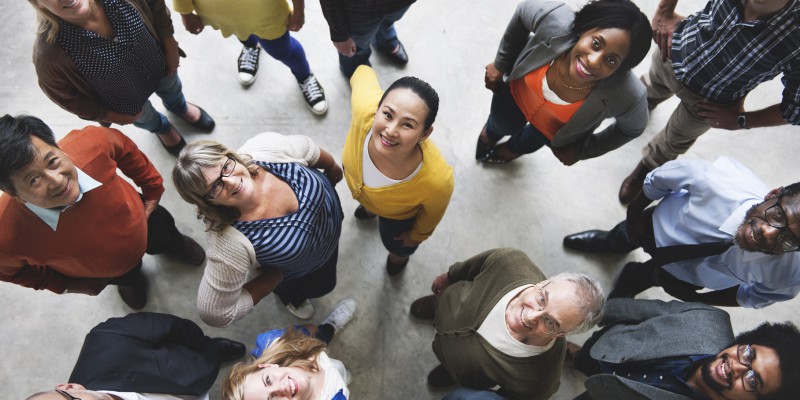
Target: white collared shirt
{"x": 153, "y": 396}
{"x": 50, "y": 216}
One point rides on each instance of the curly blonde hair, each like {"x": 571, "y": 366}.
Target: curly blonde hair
{"x": 292, "y": 349}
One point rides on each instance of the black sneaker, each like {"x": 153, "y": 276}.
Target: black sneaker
{"x": 248, "y": 65}
{"x": 314, "y": 95}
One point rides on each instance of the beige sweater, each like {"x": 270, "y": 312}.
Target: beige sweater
{"x": 231, "y": 257}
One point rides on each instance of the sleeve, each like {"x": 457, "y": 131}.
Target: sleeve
{"x": 626, "y": 127}
{"x": 335, "y": 13}
{"x": 134, "y": 164}
{"x": 274, "y": 147}
{"x": 525, "y": 21}
{"x": 790, "y": 104}
{"x": 674, "y": 176}
{"x": 634, "y": 311}
{"x": 183, "y": 6}
{"x": 54, "y": 81}
{"x": 161, "y": 18}
{"x": 496, "y": 258}
{"x": 758, "y": 295}
{"x": 155, "y": 329}
{"x": 38, "y": 277}
{"x": 432, "y": 210}
{"x": 220, "y": 299}
{"x": 366, "y": 92}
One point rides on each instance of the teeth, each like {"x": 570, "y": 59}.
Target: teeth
{"x": 523, "y": 320}
{"x": 71, "y": 4}
{"x": 387, "y": 141}
{"x": 583, "y": 69}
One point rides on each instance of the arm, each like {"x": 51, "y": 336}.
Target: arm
{"x": 627, "y": 126}
{"x": 191, "y": 21}
{"x": 262, "y": 285}
{"x": 298, "y": 17}
{"x": 57, "y": 86}
{"x": 495, "y": 258}
{"x": 326, "y": 163}
{"x": 630, "y": 311}
{"x": 134, "y": 164}
{"x": 40, "y": 277}
{"x": 722, "y": 298}
{"x": 274, "y": 147}
{"x": 664, "y": 22}
{"x": 525, "y": 21}
{"x": 335, "y": 12}
{"x": 366, "y": 92}
{"x": 155, "y": 329}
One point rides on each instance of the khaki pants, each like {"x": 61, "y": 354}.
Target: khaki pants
{"x": 684, "y": 125}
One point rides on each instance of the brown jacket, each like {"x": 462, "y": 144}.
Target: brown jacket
{"x": 60, "y": 79}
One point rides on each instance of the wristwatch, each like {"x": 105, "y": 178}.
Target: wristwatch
{"x": 742, "y": 120}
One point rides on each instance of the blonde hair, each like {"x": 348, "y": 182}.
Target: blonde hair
{"x": 48, "y": 23}
{"x": 292, "y": 349}
{"x": 191, "y": 182}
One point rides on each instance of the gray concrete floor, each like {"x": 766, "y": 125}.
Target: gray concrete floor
{"x": 530, "y": 204}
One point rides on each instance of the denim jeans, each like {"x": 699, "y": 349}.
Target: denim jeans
{"x": 378, "y": 32}
{"x": 471, "y": 394}
{"x": 287, "y": 50}
{"x": 171, "y": 92}
{"x": 506, "y": 119}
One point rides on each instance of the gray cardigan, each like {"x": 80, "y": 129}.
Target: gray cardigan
{"x": 539, "y": 32}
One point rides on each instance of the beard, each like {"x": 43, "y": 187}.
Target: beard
{"x": 750, "y": 221}
{"x": 705, "y": 374}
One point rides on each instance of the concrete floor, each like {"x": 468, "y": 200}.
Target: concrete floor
{"x": 530, "y": 204}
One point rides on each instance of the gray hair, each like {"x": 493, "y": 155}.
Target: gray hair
{"x": 589, "y": 297}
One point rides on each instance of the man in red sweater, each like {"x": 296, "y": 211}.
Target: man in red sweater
{"x": 70, "y": 223}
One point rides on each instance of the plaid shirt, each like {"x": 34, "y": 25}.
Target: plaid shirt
{"x": 722, "y": 58}
{"x": 339, "y": 13}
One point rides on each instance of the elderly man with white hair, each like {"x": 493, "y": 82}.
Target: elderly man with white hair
{"x": 500, "y": 323}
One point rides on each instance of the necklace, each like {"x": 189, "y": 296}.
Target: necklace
{"x": 558, "y": 75}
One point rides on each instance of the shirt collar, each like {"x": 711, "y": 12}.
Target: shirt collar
{"x": 50, "y": 215}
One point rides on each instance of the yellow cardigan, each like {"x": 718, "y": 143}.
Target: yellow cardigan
{"x": 263, "y": 18}
{"x": 425, "y": 196}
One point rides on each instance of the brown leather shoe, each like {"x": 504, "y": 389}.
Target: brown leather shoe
{"x": 394, "y": 268}
{"x": 424, "y": 307}
{"x": 135, "y": 293}
{"x": 632, "y": 185}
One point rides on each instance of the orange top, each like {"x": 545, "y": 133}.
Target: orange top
{"x": 545, "y": 116}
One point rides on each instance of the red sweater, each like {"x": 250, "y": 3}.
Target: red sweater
{"x": 104, "y": 235}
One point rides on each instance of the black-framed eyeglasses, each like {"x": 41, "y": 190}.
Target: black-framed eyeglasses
{"x": 66, "y": 395}
{"x": 776, "y": 218}
{"x": 551, "y": 326}
{"x": 746, "y": 355}
{"x": 216, "y": 187}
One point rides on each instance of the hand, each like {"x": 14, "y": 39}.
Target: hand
{"x": 171, "y": 55}
{"x": 149, "y": 207}
{"x": 723, "y": 116}
{"x": 440, "y": 283}
{"x": 296, "y": 20}
{"x": 192, "y": 23}
{"x": 493, "y": 77}
{"x": 407, "y": 240}
{"x": 568, "y": 155}
{"x": 346, "y": 48}
{"x": 663, "y": 24}
{"x": 334, "y": 173}
{"x": 87, "y": 286}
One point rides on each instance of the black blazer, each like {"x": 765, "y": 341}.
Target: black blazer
{"x": 147, "y": 353}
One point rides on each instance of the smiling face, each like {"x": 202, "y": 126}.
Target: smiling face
{"x": 400, "y": 123}
{"x": 49, "y": 181}
{"x": 597, "y": 54}
{"x": 236, "y": 187}
{"x": 74, "y": 11}
{"x": 272, "y": 382}
{"x": 721, "y": 376}
{"x": 755, "y": 234}
{"x": 542, "y": 312}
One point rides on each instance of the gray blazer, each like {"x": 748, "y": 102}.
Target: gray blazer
{"x": 539, "y": 32}
{"x": 651, "y": 329}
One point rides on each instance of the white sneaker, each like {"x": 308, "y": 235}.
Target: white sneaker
{"x": 305, "y": 311}
{"x": 314, "y": 95}
{"x": 248, "y": 65}
{"x": 341, "y": 314}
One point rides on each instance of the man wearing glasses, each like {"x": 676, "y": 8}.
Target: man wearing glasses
{"x": 146, "y": 356}
{"x": 500, "y": 322}
{"x": 658, "y": 350}
{"x": 717, "y": 226}
{"x": 70, "y": 223}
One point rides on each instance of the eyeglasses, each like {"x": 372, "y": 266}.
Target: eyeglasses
{"x": 776, "y": 218}
{"x": 746, "y": 355}
{"x": 551, "y": 326}
{"x": 216, "y": 187}
{"x": 66, "y": 395}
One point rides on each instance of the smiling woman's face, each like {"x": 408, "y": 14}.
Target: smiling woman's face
{"x": 272, "y": 382}
{"x": 236, "y": 187}
{"x": 74, "y": 11}
{"x": 597, "y": 54}
{"x": 399, "y": 123}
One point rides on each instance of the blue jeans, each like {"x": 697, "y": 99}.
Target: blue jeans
{"x": 378, "y": 32}
{"x": 287, "y": 50}
{"x": 171, "y": 92}
{"x": 471, "y": 394}
{"x": 506, "y": 119}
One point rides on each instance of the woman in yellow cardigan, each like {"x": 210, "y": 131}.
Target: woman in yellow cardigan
{"x": 390, "y": 167}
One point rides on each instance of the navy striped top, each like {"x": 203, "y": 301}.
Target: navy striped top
{"x": 300, "y": 242}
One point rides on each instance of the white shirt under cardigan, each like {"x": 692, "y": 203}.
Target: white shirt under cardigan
{"x": 706, "y": 202}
